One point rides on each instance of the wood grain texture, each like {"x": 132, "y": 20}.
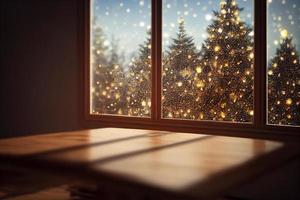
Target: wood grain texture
{"x": 194, "y": 165}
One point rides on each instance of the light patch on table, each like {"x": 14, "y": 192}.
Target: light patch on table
{"x": 178, "y": 168}
{"x": 118, "y": 149}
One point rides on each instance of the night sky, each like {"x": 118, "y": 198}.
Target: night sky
{"x": 128, "y": 20}
{"x": 283, "y": 15}
{"x": 197, "y": 16}
{"x": 125, "y": 20}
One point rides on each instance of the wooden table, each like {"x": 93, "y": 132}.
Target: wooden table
{"x": 176, "y": 165}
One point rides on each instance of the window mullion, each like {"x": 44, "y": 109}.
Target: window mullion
{"x": 156, "y": 58}
{"x": 153, "y": 61}
{"x": 260, "y": 64}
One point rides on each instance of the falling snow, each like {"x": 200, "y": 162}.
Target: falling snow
{"x": 128, "y": 22}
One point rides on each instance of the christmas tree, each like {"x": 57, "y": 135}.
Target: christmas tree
{"x": 115, "y": 84}
{"x": 284, "y": 85}
{"x": 139, "y": 80}
{"x": 99, "y": 71}
{"x": 108, "y": 81}
{"x": 178, "y": 94}
{"x": 225, "y": 74}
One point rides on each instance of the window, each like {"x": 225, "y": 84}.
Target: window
{"x": 283, "y": 62}
{"x": 194, "y": 64}
{"x": 121, "y": 57}
{"x": 208, "y": 57}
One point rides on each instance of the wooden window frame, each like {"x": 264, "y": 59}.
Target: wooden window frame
{"x": 258, "y": 129}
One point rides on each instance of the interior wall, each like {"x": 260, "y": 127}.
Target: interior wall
{"x": 39, "y": 74}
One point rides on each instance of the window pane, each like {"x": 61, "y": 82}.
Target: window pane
{"x": 283, "y": 73}
{"x": 120, "y": 67}
{"x": 208, "y": 60}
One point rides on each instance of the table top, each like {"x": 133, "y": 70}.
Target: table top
{"x": 195, "y": 165}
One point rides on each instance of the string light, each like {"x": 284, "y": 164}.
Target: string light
{"x": 179, "y": 84}
{"x": 199, "y": 70}
{"x": 289, "y": 101}
{"x": 284, "y": 33}
{"x": 217, "y": 48}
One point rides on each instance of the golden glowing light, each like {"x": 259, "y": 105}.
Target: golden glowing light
{"x": 288, "y": 101}
{"x": 217, "y": 48}
{"x": 251, "y": 55}
{"x": 179, "y": 84}
{"x": 251, "y": 112}
{"x": 200, "y": 84}
{"x": 270, "y": 72}
{"x": 199, "y": 70}
{"x": 201, "y": 116}
{"x": 223, "y": 115}
{"x": 284, "y": 33}
{"x": 233, "y": 97}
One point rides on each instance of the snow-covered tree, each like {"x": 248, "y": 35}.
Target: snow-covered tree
{"x": 139, "y": 81}
{"x": 179, "y": 64}
{"x": 284, "y": 85}
{"x": 225, "y": 74}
